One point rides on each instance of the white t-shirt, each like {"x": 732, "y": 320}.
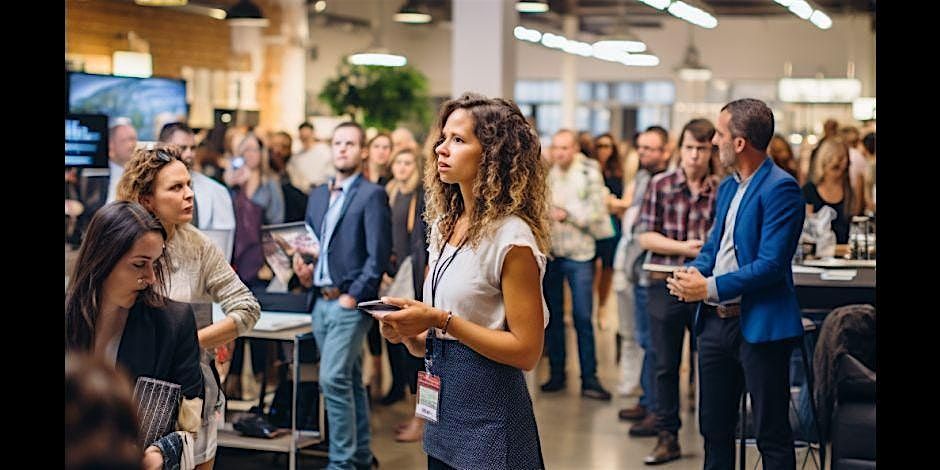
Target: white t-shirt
{"x": 470, "y": 287}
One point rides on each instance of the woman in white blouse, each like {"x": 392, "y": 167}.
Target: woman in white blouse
{"x": 483, "y": 317}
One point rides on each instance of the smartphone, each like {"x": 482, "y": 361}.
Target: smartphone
{"x": 377, "y": 308}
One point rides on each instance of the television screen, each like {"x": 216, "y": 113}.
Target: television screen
{"x": 148, "y": 103}
{"x": 86, "y": 140}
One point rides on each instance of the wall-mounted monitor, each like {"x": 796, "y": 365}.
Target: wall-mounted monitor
{"x": 148, "y": 103}
{"x": 86, "y": 140}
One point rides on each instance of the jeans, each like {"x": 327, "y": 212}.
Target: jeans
{"x": 648, "y": 370}
{"x": 580, "y": 275}
{"x": 339, "y": 333}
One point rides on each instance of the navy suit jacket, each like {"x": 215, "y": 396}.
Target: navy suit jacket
{"x": 766, "y": 232}
{"x": 362, "y": 241}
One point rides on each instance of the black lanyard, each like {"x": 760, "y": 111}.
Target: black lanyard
{"x": 440, "y": 268}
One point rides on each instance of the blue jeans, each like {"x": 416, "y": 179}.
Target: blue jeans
{"x": 648, "y": 370}
{"x": 580, "y": 276}
{"x": 339, "y": 333}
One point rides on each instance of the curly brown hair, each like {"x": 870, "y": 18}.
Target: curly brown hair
{"x": 140, "y": 173}
{"x": 512, "y": 179}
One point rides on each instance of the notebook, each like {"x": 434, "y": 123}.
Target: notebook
{"x": 157, "y": 405}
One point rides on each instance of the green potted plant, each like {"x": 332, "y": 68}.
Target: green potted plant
{"x": 377, "y": 96}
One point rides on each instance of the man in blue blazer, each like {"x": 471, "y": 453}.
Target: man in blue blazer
{"x": 749, "y": 320}
{"x": 350, "y": 217}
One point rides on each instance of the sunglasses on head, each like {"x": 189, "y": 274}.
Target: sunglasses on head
{"x": 163, "y": 156}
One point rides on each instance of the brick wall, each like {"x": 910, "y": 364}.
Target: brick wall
{"x": 176, "y": 38}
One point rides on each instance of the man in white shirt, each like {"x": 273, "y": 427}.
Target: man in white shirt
{"x": 576, "y": 187}
{"x": 313, "y": 164}
{"x": 213, "y": 204}
{"x": 122, "y": 140}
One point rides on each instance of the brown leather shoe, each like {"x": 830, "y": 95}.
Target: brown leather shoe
{"x": 645, "y": 428}
{"x": 636, "y": 413}
{"x": 666, "y": 450}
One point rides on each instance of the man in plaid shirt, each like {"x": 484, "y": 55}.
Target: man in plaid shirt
{"x": 677, "y": 212}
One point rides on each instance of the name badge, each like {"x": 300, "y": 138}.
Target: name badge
{"x": 429, "y": 390}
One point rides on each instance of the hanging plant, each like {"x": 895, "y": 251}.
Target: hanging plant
{"x": 376, "y": 96}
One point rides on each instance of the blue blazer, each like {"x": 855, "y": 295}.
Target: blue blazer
{"x": 766, "y": 232}
{"x": 362, "y": 241}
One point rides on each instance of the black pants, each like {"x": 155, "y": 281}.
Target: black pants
{"x": 669, "y": 318}
{"x": 726, "y": 364}
{"x": 404, "y": 368}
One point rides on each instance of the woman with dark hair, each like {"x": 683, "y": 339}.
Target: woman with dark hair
{"x": 101, "y": 429}
{"x": 115, "y": 306}
{"x": 782, "y": 154}
{"x": 483, "y": 318}
{"x": 608, "y": 155}
{"x": 158, "y": 179}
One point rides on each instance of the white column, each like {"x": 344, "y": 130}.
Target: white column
{"x": 484, "y": 48}
{"x": 248, "y": 40}
{"x": 569, "y": 76}
{"x": 293, "y": 64}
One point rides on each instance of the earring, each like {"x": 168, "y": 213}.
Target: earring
{"x": 140, "y": 280}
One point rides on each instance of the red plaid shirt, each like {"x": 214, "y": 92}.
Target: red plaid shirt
{"x": 670, "y": 209}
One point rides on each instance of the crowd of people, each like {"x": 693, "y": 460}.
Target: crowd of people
{"x": 473, "y": 236}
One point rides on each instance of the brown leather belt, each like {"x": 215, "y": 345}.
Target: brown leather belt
{"x": 728, "y": 311}
{"x": 330, "y": 293}
{"x": 659, "y": 276}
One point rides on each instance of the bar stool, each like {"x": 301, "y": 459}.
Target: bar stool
{"x": 808, "y": 326}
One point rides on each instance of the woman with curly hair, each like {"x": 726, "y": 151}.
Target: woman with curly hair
{"x": 483, "y": 317}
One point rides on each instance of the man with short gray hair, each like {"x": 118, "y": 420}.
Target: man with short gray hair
{"x": 749, "y": 318}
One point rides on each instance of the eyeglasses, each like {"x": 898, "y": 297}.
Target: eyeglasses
{"x": 603, "y": 146}
{"x": 646, "y": 148}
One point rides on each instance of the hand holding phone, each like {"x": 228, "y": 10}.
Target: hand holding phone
{"x": 377, "y": 308}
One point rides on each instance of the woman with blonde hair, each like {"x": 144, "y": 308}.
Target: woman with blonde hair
{"x": 158, "y": 179}
{"x": 830, "y": 186}
{"x": 483, "y": 318}
{"x": 378, "y": 164}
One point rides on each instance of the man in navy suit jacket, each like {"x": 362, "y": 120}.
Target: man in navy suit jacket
{"x": 750, "y": 318}
{"x": 350, "y": 217}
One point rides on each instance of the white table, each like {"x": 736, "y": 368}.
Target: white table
{"x": 297, "y": 439}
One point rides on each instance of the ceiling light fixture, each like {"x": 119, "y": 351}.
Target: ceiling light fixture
{"x": 691, "y": 69}
{"x": 685, "y": 11}
{"x": 376, "y": 54}
{"x": 532, "y": 6}
{"x": 413, "y": 13}
{"x": 245, "y": 13}
{"x": 804, "y": 10}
